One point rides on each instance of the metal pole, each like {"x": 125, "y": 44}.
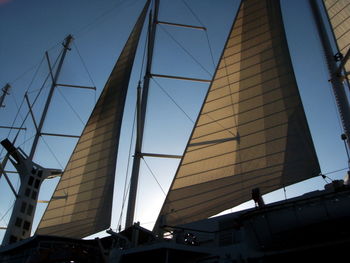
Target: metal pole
{"x": 66, "y": 44}
{"x": 141, "y": 122}
{"x": 337, "y": 85}
{"x": 5, "y": 91}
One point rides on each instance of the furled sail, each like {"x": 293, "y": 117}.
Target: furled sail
{"x": 339, "y": 13}
{"x": 251, "y": 131}
{"x": 82, "y": 202}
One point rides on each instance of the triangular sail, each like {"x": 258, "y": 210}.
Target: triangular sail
{"x": 339, "y": 13}
{"x": 82, "y": 202}
{"x": 251, "y": 131}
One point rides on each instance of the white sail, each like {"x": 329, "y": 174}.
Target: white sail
{"x": 251, "y": 131}
{"x": 338, "y": 13}
{"x": 82, "y": 202}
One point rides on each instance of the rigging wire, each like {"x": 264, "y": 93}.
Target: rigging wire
{"x": 173, "y": 100}
{"x": 36, "y": 98}
{"x": 335, "y": 171}
{"x": 202, "y": 24}
{"x": 20, "y": 145}
{"x": 155, "y": 178}
{"x": 76, "y": 35}
{"x": 103, "y": 15}
{"x": 71, "y": 107}
{"x": 28, "y": 113}
{"x": 22, "y": 103}
{"x": 7, "y": 211}
{"x": 84, "y": 64}
{"x": 185, "y": 50}
{"x": 38, "y": 64}
{"x": 52, "y": 152}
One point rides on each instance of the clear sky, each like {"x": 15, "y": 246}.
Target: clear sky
{"x": 30, "y": 27}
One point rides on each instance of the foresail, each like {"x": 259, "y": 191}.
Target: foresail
{"x": 339, "y": 14}
{"x": 82, "y": 202}
{"x": 251, "y": 131}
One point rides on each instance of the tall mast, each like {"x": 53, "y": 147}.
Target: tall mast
{"x": 142, "y": 106}
{"x": 334, "y": 71}
{"x": 54, "y": 78}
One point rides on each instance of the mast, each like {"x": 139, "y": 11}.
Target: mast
{"x": 54, "y": 78}
{"x": 142, "y": 107}
{"x": 334, "y": 72}
{"x": 5, "y": 91}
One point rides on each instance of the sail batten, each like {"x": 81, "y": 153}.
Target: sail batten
{"x": 251, "y": 131}
{"x": 82, "y": 202}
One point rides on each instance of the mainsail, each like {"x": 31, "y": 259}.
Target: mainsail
{"x": 339, "y": 13}
{"x": 82, "y": 202}
{"x": 251, "y": 131}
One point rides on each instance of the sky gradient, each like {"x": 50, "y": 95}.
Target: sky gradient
{"x": 30, "y": 27}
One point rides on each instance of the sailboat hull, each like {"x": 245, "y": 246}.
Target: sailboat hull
{"x": 310, "y": 227}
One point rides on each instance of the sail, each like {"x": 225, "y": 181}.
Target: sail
{"x": 82, "y": 202}
{"x": 251, "y": 131}
{"x": 338, "y": 14}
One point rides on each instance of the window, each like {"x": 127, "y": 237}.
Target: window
{"x": 37, "y": 183}
{"x": 27, "y": 192}
{"x": 26, "y": 225}
{"x": 18, "y": 222}
{"x": 30, "y": 210}
{"x": 30, "y": 180}
{"x": 40, "y": 173}
{"x": 23, "y": 207}
{"x": 13, "y": 239}
{"x": 33, "y": 170}
{"x": 34, "y": 195}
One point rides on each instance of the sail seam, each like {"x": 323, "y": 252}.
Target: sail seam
{"x": 229, "y": 153}
{"x": 256, "y": 107}
{"x": 246, "y": 99}
{"x": 273, "y": 57}
{"x": 341, "y": 9}
{"x": 252, "y": 86}
{"x": 343, "y": 35}
{"x": 231, "y": 184}
{"x": 225, "y": 194}
{"x": 252, "y": 76}
{"x": 237, "y": 34}
{"x": 251, "y": 55}
{"x": 247, "y": 40}
{"x": 234, "y": 151}
{"x": 254, "y": 46}
{"x": 244, "y": 123}
{"x": 340, "y": 22}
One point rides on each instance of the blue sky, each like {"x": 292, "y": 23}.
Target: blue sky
{"x": 30, "y": 27}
